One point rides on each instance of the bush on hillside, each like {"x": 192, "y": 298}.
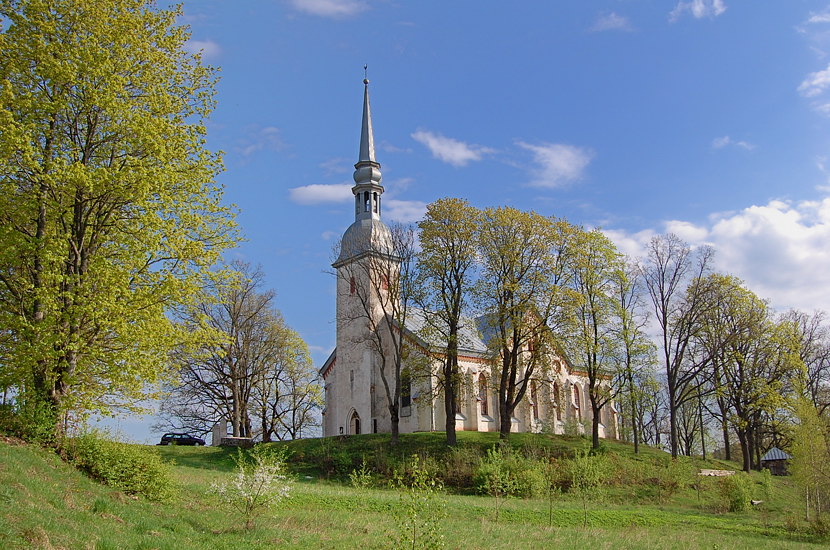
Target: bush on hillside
{"x": 134, "y": 469}
{"x": 30, "y": 420}
{"x": 735, "y": 492}
{"x": 508, "y": 472}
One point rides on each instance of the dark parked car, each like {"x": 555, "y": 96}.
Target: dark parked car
{"x": 181, "y": 439}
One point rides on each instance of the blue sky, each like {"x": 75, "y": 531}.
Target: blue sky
{"x": 708, "y": 118}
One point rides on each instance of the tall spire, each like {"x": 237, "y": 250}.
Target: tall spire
{"x": 367, "y": 140}
{"x": 367, "y": 177}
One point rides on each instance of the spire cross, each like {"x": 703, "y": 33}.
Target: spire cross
{"x": 365, "y": 74}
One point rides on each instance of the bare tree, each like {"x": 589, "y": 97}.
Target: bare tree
{"x": 218, "y": 377}
{"x": 382, "y": 287}
{"x": 670, "y": 272}
{"x": 814, "y": 350}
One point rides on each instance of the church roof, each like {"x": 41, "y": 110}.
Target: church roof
{"x": 469, "y": 336}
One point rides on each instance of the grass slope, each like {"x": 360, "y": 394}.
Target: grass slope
{"x": 45, "y": 503}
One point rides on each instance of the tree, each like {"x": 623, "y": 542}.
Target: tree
{"x": 634, "y": 356}
{"x": 670, "y": 272}
{"x": 520, "y": 292}
{"x": 445, "y": 265}
{"x": 247, "y": 363}
{"x": 286, "y": 395}
{"x": 382, "y": 286}
{"x": 109, "y": 211}
{"x": 810, "y": 464}
{"x": 814, "y": 349}
{"x": 756, "y": 358}
{"x": 591, "y": 340}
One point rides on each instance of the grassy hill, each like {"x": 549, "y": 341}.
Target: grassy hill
{"x": 45, "y": 503}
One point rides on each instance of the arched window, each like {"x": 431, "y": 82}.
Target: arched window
{"x": 576, "y": 391}
{"x": 366, "y": 206}
{"x": 534, "y": 401}
{"x": 555, "y": 401}
{"x": 482, "y": 393}
{"x": 375, "y": 202}
{"x": 352, "y": 286}
{"x": 406, "y": 388}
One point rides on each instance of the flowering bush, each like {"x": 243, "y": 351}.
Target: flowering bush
{"x": 259, "y": 483}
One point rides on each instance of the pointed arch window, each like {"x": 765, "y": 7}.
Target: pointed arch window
{"x": 534, "y": 401}
{"x": 482, "y": 393}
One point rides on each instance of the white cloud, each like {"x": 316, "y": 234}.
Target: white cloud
{"x": 403, "y": 211}
{"x": 721, "y": 142}
{"x": 260, "y": 139}
{"x": 779, "y": 249}
{"x": 336, "y": 166}
{"x": 450, "y": 150}
{"x": 208, "y": 48}
{"x": 330, "y": 8}
{"x": 557, "y": 164}
{"x": 815, "y": 83}
{"x": 320, "y": 193}
{"x": 819, "y": 18}
{"x": 698, "y": 8}
{"x": 612, "y": 22}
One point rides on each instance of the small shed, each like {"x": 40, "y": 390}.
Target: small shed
{"x": 776, "y": 461}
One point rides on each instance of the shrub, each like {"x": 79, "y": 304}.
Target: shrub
{"x": 588, "y": 475}
{"x": 735, "y": 492}
{"x": 259, "y": 484}
{"x": 505, "y": 473}
{"x": 361, "y": 478}
{"x": 421, "y": 511}
{"x": 134, "y": 469}
{"x": 29, "y": 419}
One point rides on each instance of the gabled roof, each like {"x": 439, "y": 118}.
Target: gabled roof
{"x": 776, "y": 454}
{"x": 470, "y": 340}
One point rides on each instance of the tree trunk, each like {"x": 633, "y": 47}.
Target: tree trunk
{"x": 449, "y": 401}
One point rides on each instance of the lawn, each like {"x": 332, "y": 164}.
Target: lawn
{"x": 45, "y": 503}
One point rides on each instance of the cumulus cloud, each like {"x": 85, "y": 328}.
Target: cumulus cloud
{"x": 403, "y": 211}
{"x": 726, "y": 141}
{"x": 698, "y": 9}
{"x": 208, "y": 48}
{"x": 449, "y": 150}
{"x": 330, "y": 8}
{"x": 779, "y": 249}
{"x": 557, "y": 164}
{"x": 321, "y": 193}
{"x": 815, "y": 83}
{"x": 612, "y": 22}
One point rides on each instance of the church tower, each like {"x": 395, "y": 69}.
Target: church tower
{"x": 350, "y": 373}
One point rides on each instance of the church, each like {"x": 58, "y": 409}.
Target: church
{"x": 355, "y": 397}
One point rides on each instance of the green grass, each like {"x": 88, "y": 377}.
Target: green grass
{"x": 45, "y": 503}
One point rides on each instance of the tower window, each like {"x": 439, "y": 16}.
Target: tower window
{"x": 375, "y": 202}
{"x": 366, "y": 201}
{"x": 352, "y": 286}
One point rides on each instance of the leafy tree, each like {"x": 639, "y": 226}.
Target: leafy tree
{"x": 109, "y": 214}
{"x": 814, "y": 350}
{"x": 592, "y": 336}
{"x": 757, "y": 358}
{"x": 810, "y": 465}
{"x": 445, "y": 265}
{"x": 520, "y": 290}
{"x": 635, "y": 352}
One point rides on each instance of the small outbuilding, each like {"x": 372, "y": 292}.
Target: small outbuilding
{"x": 776, "y": 461}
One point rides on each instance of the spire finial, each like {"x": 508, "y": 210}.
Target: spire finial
{"x": 366, "y": 74}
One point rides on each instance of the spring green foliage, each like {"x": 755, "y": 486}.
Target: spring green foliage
{"x": 134, "y": 469}
{"x": 109, "y": 213}
{"x": 736, "y": 492}
{"x": 588, "y": 473}
{"x": 361, "y": 478}
{"x": 810, "y": 465}
{"x": 421, "y": 510}
{"x": 260, "y": 482}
